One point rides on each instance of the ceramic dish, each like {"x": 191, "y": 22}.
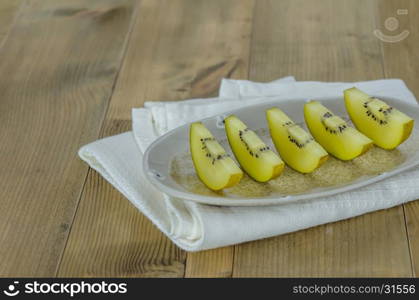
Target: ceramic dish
{"x": 168, "y": 165}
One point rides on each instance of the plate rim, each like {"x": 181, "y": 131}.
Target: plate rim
{"x": 263, "y": 201}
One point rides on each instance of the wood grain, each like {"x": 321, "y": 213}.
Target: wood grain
{"x": 331, "y": 41}
{"x": 401, "y": 60}
{"x": 412, "y": 215}
{"x": 9, "y": 9}
{"x": 63, "y": 86}
{"x": 351, "y": 248}
{"x": 178, "y": 49}
{"x": 58, "y": 64}
{"x": 215, "y": 263}
{"x": 111, "y": 238}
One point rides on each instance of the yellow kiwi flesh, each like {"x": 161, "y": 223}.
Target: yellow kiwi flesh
{"x": 333, "y": 133}
{"x": 212, "y": 164}
{"x": 385, "y": 125}
{"x": 254, "y": 156}
{"x": 295, "y": 146}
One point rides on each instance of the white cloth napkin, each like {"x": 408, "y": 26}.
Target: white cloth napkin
{"x": 194, "y": 226}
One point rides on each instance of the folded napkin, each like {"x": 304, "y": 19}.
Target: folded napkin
{"x": 194, "y": 226}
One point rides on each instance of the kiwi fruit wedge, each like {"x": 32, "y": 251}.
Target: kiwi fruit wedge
{"x": 295, "y": 145}
{"x": 385, "y": 125}
{"x": 254, "y": 156}
{"x": 212, "y": 164}
{"x": 333, "y": 133}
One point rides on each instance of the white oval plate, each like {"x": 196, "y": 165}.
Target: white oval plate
{"x": 159, "y": 155}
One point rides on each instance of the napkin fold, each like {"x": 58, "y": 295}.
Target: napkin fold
{"x": 193, "y": 226}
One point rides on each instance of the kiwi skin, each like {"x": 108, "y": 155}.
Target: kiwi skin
{"x": 256, "y": 159}
{"x": 345, "y": 144}
{"x": 216, "y": 170}
{"x": 384, "y": 124}
{"x": 296, "y": 147}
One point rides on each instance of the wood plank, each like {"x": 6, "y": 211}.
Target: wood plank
{"x": 111, "y": 238}
{"x": 350, "y": 248}
{"x": 401, "y": 60}
{"x": 215, "y": 263}
{"x": 332, "y": 41}
{"x": 412, "y": 215}
{"x": 9, "y": 9}
{"x": 178, "y": 49}
{"x": 58, "y": 64}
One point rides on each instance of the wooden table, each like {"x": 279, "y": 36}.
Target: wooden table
{"x": 72, "y": 70}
